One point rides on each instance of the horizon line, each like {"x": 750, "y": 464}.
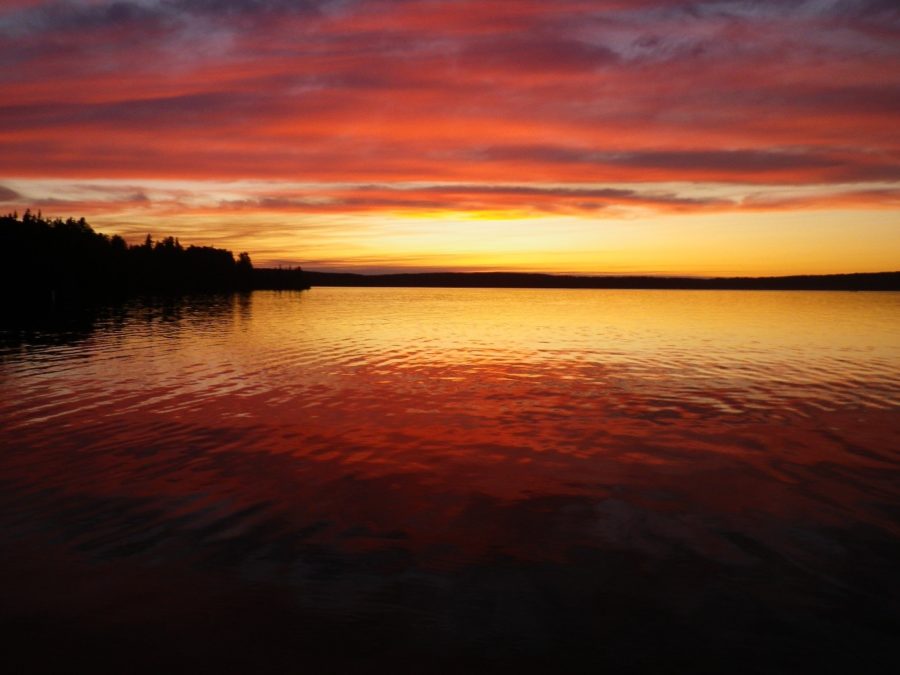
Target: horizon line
{"x": 611, "y": 275}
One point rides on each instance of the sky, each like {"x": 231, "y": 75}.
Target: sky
{"x": 716, "y": 137}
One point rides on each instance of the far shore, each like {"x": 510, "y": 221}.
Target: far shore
{"x": 877, "y": 281}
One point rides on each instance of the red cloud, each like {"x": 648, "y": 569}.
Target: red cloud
{"x": 473, "y": 92}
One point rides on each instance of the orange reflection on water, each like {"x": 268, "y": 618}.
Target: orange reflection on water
{"x": 341, "y": 443}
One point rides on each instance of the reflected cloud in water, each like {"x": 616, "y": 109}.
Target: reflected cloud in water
{"x": 459, "y": 479}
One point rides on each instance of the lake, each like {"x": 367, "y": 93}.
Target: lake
{"x": 455, "y": 480}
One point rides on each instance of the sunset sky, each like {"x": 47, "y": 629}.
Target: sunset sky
{"x": 603, "y": 137}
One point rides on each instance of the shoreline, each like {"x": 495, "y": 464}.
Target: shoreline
{"x": 874, "y": 281}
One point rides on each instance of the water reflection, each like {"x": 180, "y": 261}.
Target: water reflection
{"x": 348, "y": 479}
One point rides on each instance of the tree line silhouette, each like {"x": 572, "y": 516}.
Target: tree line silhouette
{"x": 866, "y": 281}
{"x": 66, "y": 259}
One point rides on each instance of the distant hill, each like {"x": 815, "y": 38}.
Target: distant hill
{"x": 879, "y": 281}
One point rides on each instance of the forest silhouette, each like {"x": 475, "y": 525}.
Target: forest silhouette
{"x": 44, "y": 260}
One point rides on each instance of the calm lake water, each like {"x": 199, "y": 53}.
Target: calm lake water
{"x": 455, "y": 480}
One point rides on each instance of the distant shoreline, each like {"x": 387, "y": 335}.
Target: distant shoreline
{"x": 875, "y": 281}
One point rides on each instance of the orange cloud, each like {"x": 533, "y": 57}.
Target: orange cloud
{"x": 585, "y": 109}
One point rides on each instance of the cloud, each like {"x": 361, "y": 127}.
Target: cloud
{"x": 364, "y": 198}
{"x": 536, "y": 52}
{"x": 592, "y": 110}
{"x": 72, "y": 15}
{"x": 726, "y": 165}
{"x": 7, "y": 195}
{"x": 525, "y": 195}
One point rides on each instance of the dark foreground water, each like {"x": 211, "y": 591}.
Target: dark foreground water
{"x": 425, "y": 481}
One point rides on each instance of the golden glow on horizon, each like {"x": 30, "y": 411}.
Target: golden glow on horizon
{"x": 594, "y": 138}
{"x": 778, "y": 243}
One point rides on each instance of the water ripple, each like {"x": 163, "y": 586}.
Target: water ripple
{"x": 422, "y": 453}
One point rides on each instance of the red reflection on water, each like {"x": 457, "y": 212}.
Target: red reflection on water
{"x": 304, "y": 451}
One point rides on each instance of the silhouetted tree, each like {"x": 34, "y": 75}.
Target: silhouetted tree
{"x": 59, "y": 259}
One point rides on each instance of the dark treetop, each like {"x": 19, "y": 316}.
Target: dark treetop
{"x": 57, "y": 260}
